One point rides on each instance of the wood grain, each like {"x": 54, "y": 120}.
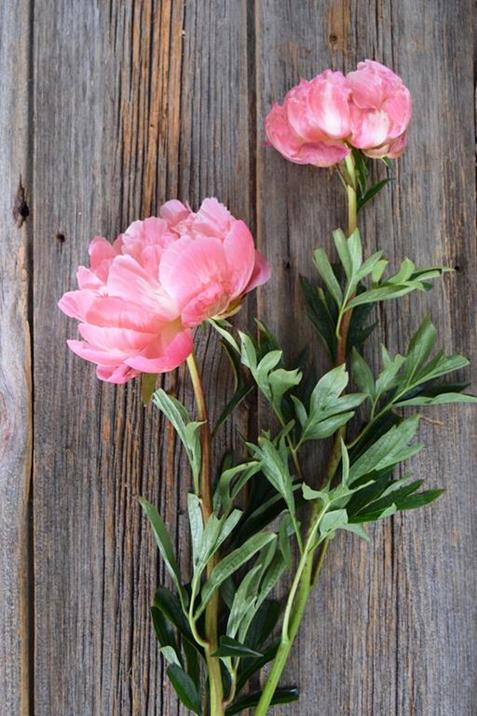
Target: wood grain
{"x": 106, "y": 110}
{"x": 388, "y": 619}
{"x": 15, "y": 359}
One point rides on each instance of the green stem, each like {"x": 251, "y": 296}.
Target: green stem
{"x": 216, "y": 695}
{"x": 306, "y": 575}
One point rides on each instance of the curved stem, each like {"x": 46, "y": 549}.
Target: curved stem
{"x": 212, "y": 610}
{"x": 306, "y": 574}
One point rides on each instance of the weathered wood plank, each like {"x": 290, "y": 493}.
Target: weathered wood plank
{"x": 392, "y": 623}
{"x": 15, "y": 358}
{"x": 134, "y": 103}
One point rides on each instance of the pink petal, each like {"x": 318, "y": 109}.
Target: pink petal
{"x": 191, "y": 265}
{"x": 212, "y": 219}
{"x": 130, "y": 281}
{"x": 114, "y": 311}
{"x": 118, "y": 340}
{"x": 240, "y": 254}
{"x": 117, "y": 374}
{"x": 165, "y": 353}
{"x": 328, "y": 106}
{"x": 95, "y": 355}
{"x": 399, "y": 110}
{"x": 88, "y": 279}
{"x": 76, "y": 304}
{"x": 174, "y": 211}
{"x": 210, "y": 302}
{"x": 370, "y": 128}
{"x": 261, "y": 272}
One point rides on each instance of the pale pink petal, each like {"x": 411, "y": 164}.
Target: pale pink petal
{"x": 115, "y": 311}
{"x": 116, "y": 374}
{"x": 88, "y": 279}
{"x": 261, "y": 272}
{"x": 76, "y": 304}
{"x": 128, "y": 280}
{"x": 328, "y": 106}
{"x": 367, "y": 87}
{"x": 105, "y": 338}
{"x": 95, "y": 355}
{"x": 190, "y": 265}
{"x": 174, "y": 211}
{"x": 281, "y": 135}
{"x": 370, "y": 128}
{"x": 397, "y": 146}
{"x": 212, "y": 219}
{"x": 240, "y": 255}
{"x": 399, "y": 110}
{"x": 165, "y": 353}
{"x": 322, "y": 154}
{"x": 212, "y": 301}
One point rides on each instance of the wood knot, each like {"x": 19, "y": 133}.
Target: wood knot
{"x": 21, "y": 210}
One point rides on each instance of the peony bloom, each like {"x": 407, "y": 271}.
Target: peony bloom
{"x": 320, "y": 120}
{"x": 213, "y": 262}
{"x": 314, "y": 121}
{"x": 381, "y": 110}
{"x": 141, "y": 295}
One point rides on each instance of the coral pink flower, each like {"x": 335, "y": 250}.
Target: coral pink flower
{"x": 381, "y": 109}
{"x": 128, "y": 323}
{"x": 320, "y": 120}
{"x": 312, "y": 124}
{"x": 213, "y": 262}
{"x": 141, "y": 294}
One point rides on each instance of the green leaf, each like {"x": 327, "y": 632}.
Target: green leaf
{"x": 322, "y": 311}
{"x": 275, "y": 468}
{"x": 362, "y": 374}
{"x": 169, "y": 605}
{"x": 232, "y": 647}
{"x": 163, "y": 542}
{"x": 420, "y": 348}
{"x": 232, "y": 562}
{"x": 375, "y": 189}
{"x": 165, "y": 635}
{"x": 250, "y": 667}
{"x": 281, "y": 696}
{"x": 185, "y": 688}
{"x": 333, "y": 520}
{"x": 186, "y": 429}
{"x": 442, "y": 399}
{"x": 263, "y": 623}
{"x": 390, "y": 449}
{"x": 196, "y": 524}
{"x": 229, "y": 487}
{"x": 325, "y": 270}
{"x": 310, "y": 494}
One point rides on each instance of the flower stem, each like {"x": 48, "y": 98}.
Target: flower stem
{"x": 216, "y": 696}
{"x": 307, "y": 574}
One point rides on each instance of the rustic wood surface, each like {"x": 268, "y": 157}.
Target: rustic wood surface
{"x": 107, "y": 108}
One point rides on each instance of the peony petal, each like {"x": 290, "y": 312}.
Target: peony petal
{"x": 191, "y": 265}
{"x": 165, "y": 353}
{"x": 240, "y": 254}
{"x": 174, "y": 211}
{"x": 212, "y": 219}
{"x": 95, "y": 355}
{"x": 328, "y": 106}
{"x": 76, "y": 304}
{"x": 261, "y": 272}
{"x": 369, "y": 128}
{"x": 118, "y": 340}
{"x": 118, "y": 374}
{"x": 114, "y": 311}
{"x": 130, "y": 281}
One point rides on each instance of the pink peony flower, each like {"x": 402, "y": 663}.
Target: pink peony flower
{"x": 314, "y": 121}
{"x": 212, "y": 264}
{"x": 141, "y": 295}
{"x": 320, "y": 120}
{"x": 381, "y": 109}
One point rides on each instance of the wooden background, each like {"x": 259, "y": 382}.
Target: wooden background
{"x": 107, "y": 108}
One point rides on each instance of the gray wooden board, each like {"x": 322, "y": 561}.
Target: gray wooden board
{"x": 107, "y": 109}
